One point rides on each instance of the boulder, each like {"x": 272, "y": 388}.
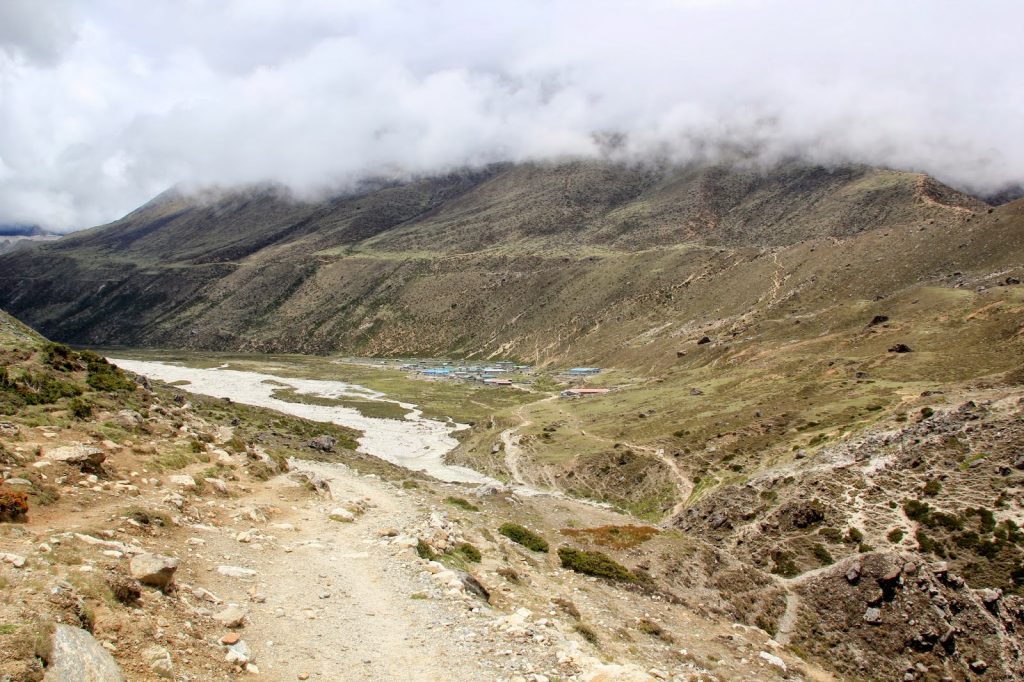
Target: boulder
{"x": 900, "y": 348}
{"x": 153, "y": 569}
{"x": 182, "y": 481}
{"x": 129, "y": 419}
{"x": 324, "y": 443}
{"x": 341, "y": 514}
{"x": 78, "y": 455}
{"x": 217, "y": 484}
{"x": 76, "y": 656}
{"x": 772, "y": 659}
{"x": 15, "y": 560}
{"x": 160, "y": 661}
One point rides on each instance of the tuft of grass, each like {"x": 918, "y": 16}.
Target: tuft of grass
{"x": 595, "y": 564}
{"x": 895, "y": 535}
{"x": 523, "y": 536}
{"x": 649, "y": 627}
{"x": 587, "y": 633}
{"x": 425, "y": 551}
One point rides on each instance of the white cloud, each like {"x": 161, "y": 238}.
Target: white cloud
{"x": 106, "y": 103}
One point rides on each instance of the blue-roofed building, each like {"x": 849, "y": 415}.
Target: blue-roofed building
{"x": 584, "y": 371}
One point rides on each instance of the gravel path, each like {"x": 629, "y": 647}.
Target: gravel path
{"x": 335, "y": 603}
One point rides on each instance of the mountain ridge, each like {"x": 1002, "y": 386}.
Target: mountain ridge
{"x": 239, "y": 270}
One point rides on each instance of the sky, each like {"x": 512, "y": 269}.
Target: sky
{"x": 106, "y": 103}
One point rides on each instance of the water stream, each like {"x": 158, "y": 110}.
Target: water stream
{"x": 415, "y": 442}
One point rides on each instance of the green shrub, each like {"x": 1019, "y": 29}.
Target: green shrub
{"x": 461, "y": 503}
{"x": 523, "y": 536}
{"x": 895, "y": 535}
{"x": 80, "y": 408}
{"x": 784, "y": 564}
{"x": 943, "y": 520}
{"x": 595, "y": 564}
{"x": 831, "y": 534}
{"x": 932, "y": 487}
{"x": 854, "y": 536}
{"x": 916, "y": 510}
{"x": 924, "y": 543}
{"x": 467, "y": 552}
{"x": 986, "y": 518}
{"x": 60, "y": 357}
{"x": 103, "y": 376}
{"x": 822, "y": 554}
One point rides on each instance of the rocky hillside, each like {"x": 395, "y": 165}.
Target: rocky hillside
{"x": 541, "y": 262}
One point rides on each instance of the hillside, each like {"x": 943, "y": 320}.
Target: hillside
{"x": 539, "y": 262}
{"x": 817, "y": 392}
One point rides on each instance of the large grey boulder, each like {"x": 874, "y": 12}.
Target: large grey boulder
{"x": 153, "y": 569}
{"x": 78, "y": 455}
{"x": 76, "y": 656}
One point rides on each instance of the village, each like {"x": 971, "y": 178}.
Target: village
{"x": 498, "y": 374}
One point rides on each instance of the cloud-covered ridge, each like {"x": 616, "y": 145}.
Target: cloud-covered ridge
{"x": 106, "y": 103}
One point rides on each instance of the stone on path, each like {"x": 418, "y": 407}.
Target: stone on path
{"x": 153, "y": 569}
{"x": 231, "y": 617}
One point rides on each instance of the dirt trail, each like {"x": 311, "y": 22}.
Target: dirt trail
{"x": 338, "y": 605}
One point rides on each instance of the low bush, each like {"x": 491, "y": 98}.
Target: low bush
{"x": 822, "y": 554}
{"x": 103, "y": 376}
{"x": 80, "y": 408}
{"x": 595, "y": 564}
{"x": 895, "y": 535}
{"x": 468, "y": 552}
{"x": 784, "y": 564}
{"x": 60, "y": 357}
{"x": 13, "y": 504}
{"x": 523, "y": 536}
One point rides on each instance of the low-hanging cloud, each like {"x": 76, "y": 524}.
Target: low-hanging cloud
{"x": 104, "y": 104}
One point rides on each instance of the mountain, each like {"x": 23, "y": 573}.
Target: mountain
{"x": 19, "y": 236}
{"x": 483, "y": 262}
{"x": 815, "y": 388}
